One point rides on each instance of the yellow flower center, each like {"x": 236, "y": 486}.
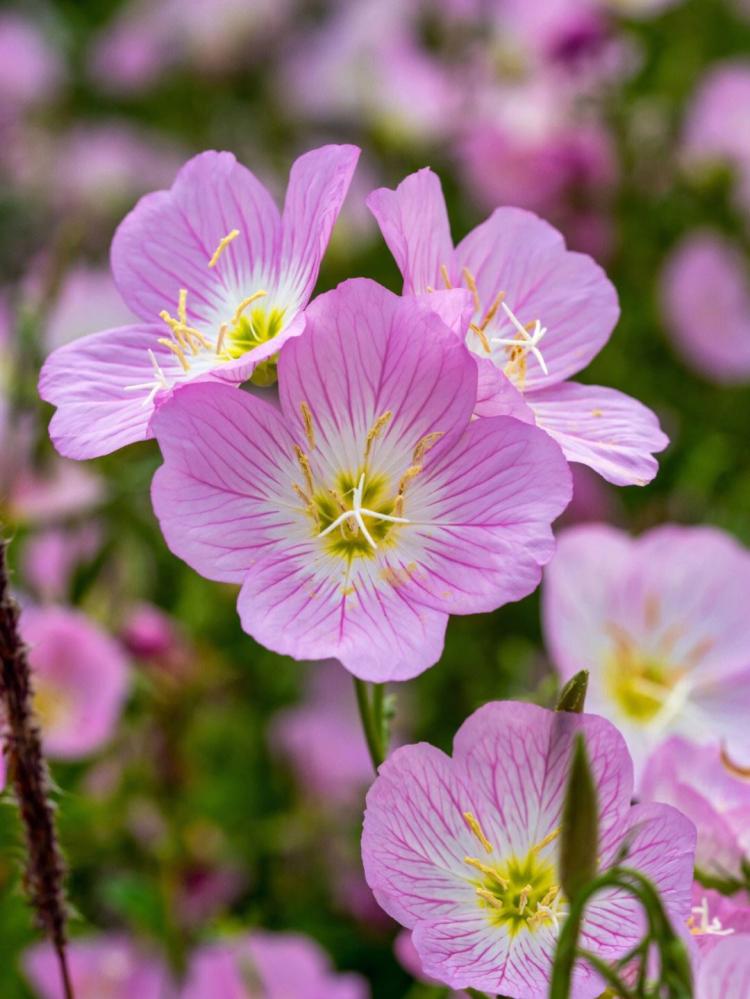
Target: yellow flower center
{"x": 641, "y": 683}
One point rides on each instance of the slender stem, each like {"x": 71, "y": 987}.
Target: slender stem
{"x": 371, "y": 715}
{"x": 45, "y": 871}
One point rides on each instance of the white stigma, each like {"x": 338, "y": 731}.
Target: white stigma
{"x": 159, "y": 382}
{"x": 706, "y": 926}
{"x": 358, "y": 512}
{"x": 528, "y": 342}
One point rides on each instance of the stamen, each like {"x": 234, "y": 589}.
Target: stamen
{"x": 304, "y": 464}
{"x": 489, "y": 872}
{"x": 734, "y": 768}
{"x": 528, "y": 341}
{"x": 177, "y": 350}
{"x": 223, "y": 330}
{"x": 549, "y": 838}
{"x": 358, "y": 512}
{"x": 523, "y": 898}
{"x": 706, "y": 926}
{"x": 482, "y": 336}
{"x": 493, "y": 900}
{"x": 182, "y": 306}
{"x": 490, "y": 313}
{"x": 244, "y": 304}
{"x": 550, "y": 897}
{"x": 474, "y": 827}
{"x": 223, "y": 244}
{"x": 446, "y": 276}
{"x": 471, "y": 284}
{"x": 424, "y": 445}
{"x": 375, "y": 430}
{"x": 308, "y": 422}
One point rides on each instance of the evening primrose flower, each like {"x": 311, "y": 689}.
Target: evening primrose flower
{"x": 272, "y": 965}
{"x": 707, "y": 786}
{"x": 464, "y": 850}
{"x": 541, "y": 313}
{"x": 219, "y": 280}
{"x": 80, "y": 678}
{"x": 661, "y": 624}
{"x": 367, "y": 508}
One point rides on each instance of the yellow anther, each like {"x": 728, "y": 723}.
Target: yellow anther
{"x": 304, "y": 464}
{"x": 482, "y": 336}
{"x": 549, "y": 838}
{"x": 733, "y": 768}
{"x": 182, "y": 306}
{"x": 375, "y": 430}
{"x": 489, "y": 872}
{"x": 244, "y": 304}
{"x": 550, "y": 897}
{"x": 471, "y": 284}
{"x": 473, "y": 824}
{"x": 493, "y": 900}
{"x": 490, "y": 313}
{"x": 446, "y": 276}
{"x": 223, "y": 244}
{"x": 307, "y": 419}
{"x": 177, "y": 350}
{"x": 523, "y": 898}
{"x": 424, "y": 445}
{"x": 223, "y": 330}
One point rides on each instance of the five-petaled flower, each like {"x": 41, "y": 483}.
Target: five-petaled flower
{"x": 369, "y": 507}
{"x": 464, "y": 850}
{"x": 219, "y": 279}
{"x": 661, "y": 623}
{"x": 539, "y": 314}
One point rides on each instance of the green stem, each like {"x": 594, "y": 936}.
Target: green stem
{"x": 371, "y": 714}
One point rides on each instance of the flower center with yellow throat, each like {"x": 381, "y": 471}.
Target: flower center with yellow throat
{"x": 250, "y": 325}
{"x": 362, "y": 510}
{"x": 518, "y": 893}
{"x": 481, "y": 341}
{"x": 644, "y": 684}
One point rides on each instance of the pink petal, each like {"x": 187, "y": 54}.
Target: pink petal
{"x": 498, "y": 396}
{"x": 223, "y": 493}
{"x": 415, "y": 838}
{"x": 487, "y": 504}
{"x": 367, "y": 351}
{"x": 88, "y": 381}
{"x": 318, "y": 183}
{"x": 166, "y": 242}
{"x": 725, "y": 972}
{"x": 516, "y": 252}
{"x": 610, "y": 432}
{"x": 414, "y": 223}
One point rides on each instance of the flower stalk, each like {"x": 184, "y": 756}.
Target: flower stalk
{"x": 376, "y": 712}
{"x": 45, "y": 869}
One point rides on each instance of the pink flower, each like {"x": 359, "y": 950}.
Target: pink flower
{"x": 51, "y": 557}
{"x": 407, "y": 956}
{"x": 368, "y": 508}
{"x": 107, "y": 966}
{"x": 30, "y": 69}
{"x": 710, "y": 330}
{"x": 463, "y": 851}
{"x": 88, "y": 300}
{"x": 717, "y": 127}
{"x": 714, "y": 917}
{"x": 323, "y": 739}
{"x": 80, "y": 680}
{"x": 150, "y": 633}
{"x": 271, "y": 965}
{"x": 525, "y": 283}
{"x": 694, "y": 779}
{"x": 218, "y": 279}
{"x": 725, "y": 973}
{"x": 661, "y": 623}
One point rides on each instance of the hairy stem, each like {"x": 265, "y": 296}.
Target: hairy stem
{"x": 45, "y": 871}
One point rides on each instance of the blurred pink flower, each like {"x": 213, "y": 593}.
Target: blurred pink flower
{"x": 725, "y": 971}
{"x": 367, "y": 62}
{"x": 147, "y": 40}
{"x": 717, "y": 125}
{"x": 51, "y": 556}
{"x": 705, "y": 294}
{"x": 593, "y": 499}
{"x": 149, "y": 632}
{"x": 367, "y": 508}
{"x": 105, "y": 967}
{"x": 694, "y": 779}
{"x": 80, "y": 678}
{"x": 464, "y": 850}
{"x": 516, "y": 265}
{"x": 661, "y": 624}
{"x": 323, "y": 739}
{"x": 271, "y": 966}
{"x": 715, "y": 917}
{"x": 88, "y": 301}
{"x": 31, "y": 69}
{"x": 233, "y": 250}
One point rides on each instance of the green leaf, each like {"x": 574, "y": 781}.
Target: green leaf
{"x": 573, "y": 695}
{"x": 579, "y": 844}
